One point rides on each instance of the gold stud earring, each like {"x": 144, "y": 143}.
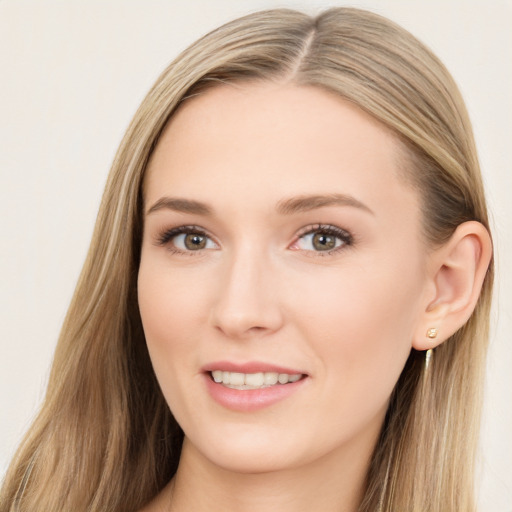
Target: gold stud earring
{"x": 432, "y": 333}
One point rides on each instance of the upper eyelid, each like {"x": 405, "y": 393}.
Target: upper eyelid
{"x": 346, "y": 236}
{"x": 178, "y": 230}
{"x": 322, "y": 227}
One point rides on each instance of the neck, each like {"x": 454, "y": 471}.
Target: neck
{"x": 333, "y": 483}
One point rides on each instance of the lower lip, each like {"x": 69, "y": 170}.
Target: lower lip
{"x": 248, "y": 400}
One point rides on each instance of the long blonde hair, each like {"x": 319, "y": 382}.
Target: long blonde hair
{"x": 105, "y": 438}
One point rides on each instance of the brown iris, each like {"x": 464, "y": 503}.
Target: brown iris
{"x": 323, "y": 242}
{"x": 193, "y": 241}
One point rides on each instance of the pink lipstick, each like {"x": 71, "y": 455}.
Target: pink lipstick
{"x": 251, "y": 386}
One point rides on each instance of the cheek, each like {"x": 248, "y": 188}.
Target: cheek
{"x": 170, "y": 309}
{"x": 362, "y": 322}
{"x": 170, "y": 303}
{"x": 158, "y": 306}
{"x": 169, "y": 318}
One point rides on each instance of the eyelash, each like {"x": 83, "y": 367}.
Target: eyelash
{"x": 329, "y": 230}
{"x": 346, "y": 238}
{"x": 166, "y": 236}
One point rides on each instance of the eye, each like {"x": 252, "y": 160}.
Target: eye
{"x": 322, "y": 238}
{"x": 192, "y": 241}
{"x": 185, "y": 239}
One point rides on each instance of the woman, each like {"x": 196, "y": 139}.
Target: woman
{"x": 294, "y": 221}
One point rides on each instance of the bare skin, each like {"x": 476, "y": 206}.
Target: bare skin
{"x": 297, "y": 490}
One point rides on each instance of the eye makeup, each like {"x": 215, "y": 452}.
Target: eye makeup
{"x": 315, "y": 239}
{"x": 325, "y": 239}
{"x": 195, "y": 239}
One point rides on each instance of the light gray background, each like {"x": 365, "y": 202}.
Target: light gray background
{"x": 73, "y": 73}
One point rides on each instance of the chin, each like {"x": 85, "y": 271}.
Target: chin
{"x": 254, "y": 463}
{"x": 247, "y": 452}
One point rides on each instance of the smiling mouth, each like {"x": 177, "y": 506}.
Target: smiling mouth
{"x": 260, "y": 380}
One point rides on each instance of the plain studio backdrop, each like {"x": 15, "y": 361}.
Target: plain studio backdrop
{"x": 72, "y": 75}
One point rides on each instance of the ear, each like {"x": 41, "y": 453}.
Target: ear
{"x": 456, "y": 274}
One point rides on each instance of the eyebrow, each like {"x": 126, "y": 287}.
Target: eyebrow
{"x": 288, "y": 206}
{"x": 311, "y": 202}
{"x": 181, "y": 205}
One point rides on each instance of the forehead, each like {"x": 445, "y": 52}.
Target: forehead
{"x": 264, "y": 141}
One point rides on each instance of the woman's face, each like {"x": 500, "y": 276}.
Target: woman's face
{"x": 280, "y": 243}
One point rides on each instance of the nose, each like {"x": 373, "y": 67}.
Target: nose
{"x": 247, "y": 302}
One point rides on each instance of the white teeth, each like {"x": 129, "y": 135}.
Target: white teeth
{"x": 254, "y": 379}
{"x": 236, "y": 379}
{"x": 270, "y": 378}
{"x": 283, "y": 378}
{"x": 258, "y": 380}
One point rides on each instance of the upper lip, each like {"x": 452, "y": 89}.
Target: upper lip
{"x": 249, "y": 367}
